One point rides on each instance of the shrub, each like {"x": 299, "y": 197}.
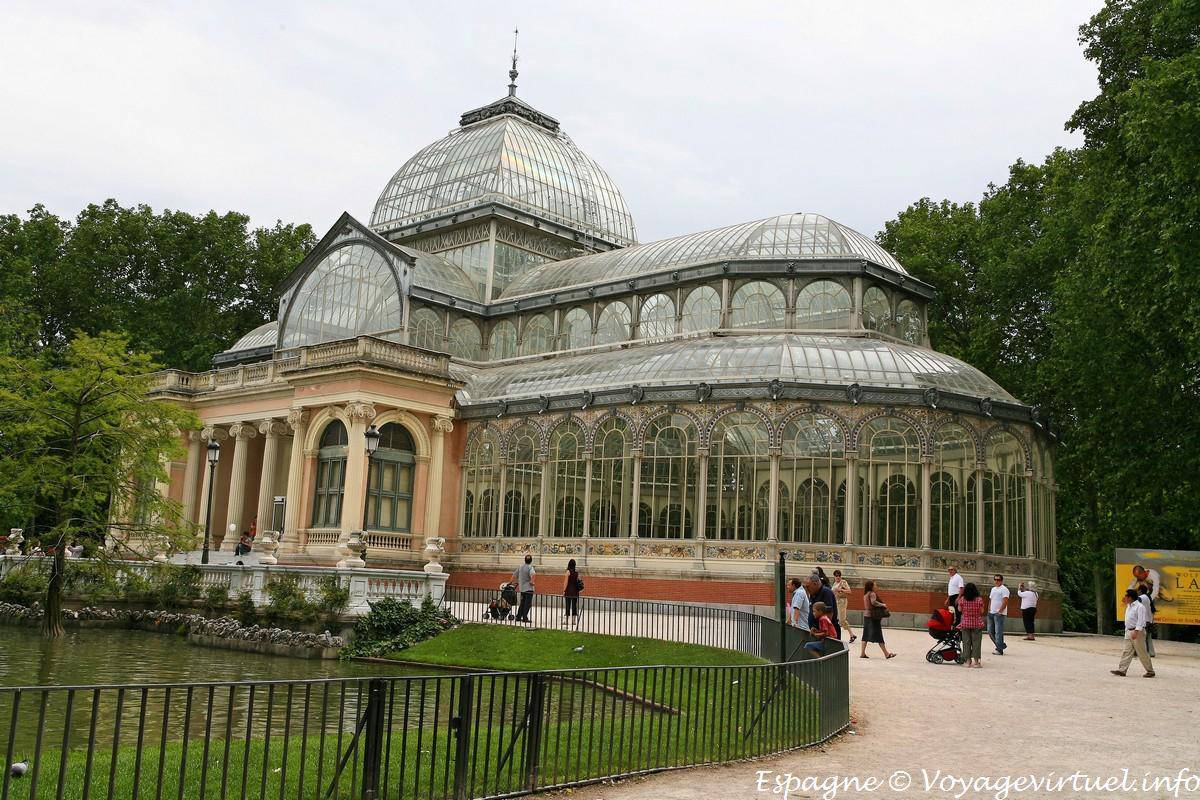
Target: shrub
{"x": 287, "y": 599}
{"x": 24, "y": 584}
{"x": 394, "y": 625}
{"x": 173, "y": 585}
{"x": 333, "y": 597}
{"x": 216, "y": 596}
{"x": 134, "y": 586}
{"x": 90, "y": 582}
{"x": 247, "y": 614}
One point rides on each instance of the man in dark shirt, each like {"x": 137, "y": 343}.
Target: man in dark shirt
{"x": 818, "y": 591}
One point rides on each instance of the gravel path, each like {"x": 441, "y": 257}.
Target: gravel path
{"x": 1048, "y": 706}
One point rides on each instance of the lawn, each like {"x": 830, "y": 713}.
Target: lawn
{"x": 513, "y": 648}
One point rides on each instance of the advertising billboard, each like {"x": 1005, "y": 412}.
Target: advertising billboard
{"x": 1173, "y": 574}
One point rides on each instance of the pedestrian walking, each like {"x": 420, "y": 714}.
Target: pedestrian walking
{"x": 1029, "y": 601}
{"x": 1135, "y": 631}
{"x": 1147, "y": 600}
{"x": 571, "y": 594}
{"x": 523, "y": 577}
{"x": 997, "y": 613}
{"x": 970, "y": 608}
{"x": 841, "y": 590}
{"x": 874, "y": 612}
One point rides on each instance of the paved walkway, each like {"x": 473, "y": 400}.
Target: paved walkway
{"x": 1048, "y": 706}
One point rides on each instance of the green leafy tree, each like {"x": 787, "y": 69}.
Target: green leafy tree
{"x": 83, "y": 447}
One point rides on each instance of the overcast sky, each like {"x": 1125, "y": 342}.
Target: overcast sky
{"x": 705, "y": 114}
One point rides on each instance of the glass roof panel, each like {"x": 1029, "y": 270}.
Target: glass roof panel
{"x": 441, "y": 275}
{"x": 265, "y": 335}
{"x": 833, "y": 360}
{"x": 789, "y": 236}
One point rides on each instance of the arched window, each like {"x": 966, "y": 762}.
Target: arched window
{"x": 390, "y": 481}
{"x": 425, "y": 330}
{"x": 612, "y": 476}
{"x": 757, "y": 304}
{"x": 876, "y": 310}
{"x": 762, "y": 508}
{"x": 657, "y": 317}
{"x": 331, "y": 476}
{"x": 538, "y": 333}
{"x": 614, "y": 322}
{"x": 483, "y": 482}
{"x": 567, "y": 475}
{"x": 701, "y": 310}
{"x": 951, "y": 516}
{"x": 668, "y": 474}
{"x": 523, "y": 475}
{"x": 890, "y": 464}
{"x": 812, "y": 460}
{"x": 504, "y": 340}
{"x": 738, "y": 461}
{"x": 576, "y": 329}
{"x": 352, "y": 291}
{"x": 864, "y": 510}
{"x": 645, "y": 520}
{"x": 1004, "y": 496}
{"x": 909, "y": 326}
{"x": 465, "y": 341}
{"x": 823, "y": 305}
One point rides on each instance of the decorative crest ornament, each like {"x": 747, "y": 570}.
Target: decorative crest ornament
{"x": 931, "y": 396}
{"x": 512, "y": 73}
{"x": 543, "y": 404}
{"x": 703, "y": 392}
{"x": 501, "y": 408}
{"x": 775, "y": 387}
{"x": 985, "y": 406}
{"x": 854, "y": 393}
{"x": 588, "y": 397}
{"x": 637, "y": 393}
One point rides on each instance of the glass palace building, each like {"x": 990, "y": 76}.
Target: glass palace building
{"x": 671, "y": 414}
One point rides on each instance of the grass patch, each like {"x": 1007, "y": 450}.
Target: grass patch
{"x": 516, "y": 649}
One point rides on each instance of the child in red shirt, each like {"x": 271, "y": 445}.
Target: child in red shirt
{"x": 824, "y": 630}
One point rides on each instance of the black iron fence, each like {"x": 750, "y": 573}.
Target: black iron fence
{"x": 449, "y": 736}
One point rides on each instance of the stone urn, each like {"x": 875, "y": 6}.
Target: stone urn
{"x": 267, "y": 547}
{"x": 15, "y": 538}
{"x": 434, "y": 547}
{"x": 357, "y": 547}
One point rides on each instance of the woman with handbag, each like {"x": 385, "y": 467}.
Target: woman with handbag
{"x": 874, "y": 610}
{"x": 571, "y": 594}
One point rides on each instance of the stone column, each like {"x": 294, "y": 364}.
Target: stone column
{"x": 773, "y": 499}
{"x": 433, "y": 493}
{"x": 926, "y": 495}
{"x": 852, "y": 505}
{"x": 354, "y": 497}
{"x": 206, "y": 435}
{"x": 587, "y": 493}
{"x": 979, "y": 509}
{"x": 1029, "y": 549}
{"x": 297, "y": 419}
{"x": 271, "y": 431}
{"x": 701, "y": 494}
{"x": 240, "y": 433}
{"x": 196, "y": 461}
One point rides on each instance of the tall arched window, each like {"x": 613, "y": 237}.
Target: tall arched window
{"x": 523, "y": 474}
{"x": 876, "y": 310}
{"x": 668, "y": 475}
{"x": 812, "y": 463}
{"x": 425, "y": 330}
{"x": 951, "y": 515}
{"x": 739, "y": 461}
{"x": 503, "y": 340}
{"x": 539, "y": 331}
{"x": 757, "y": 304}
{"x": 465, "y": 341}
{"x": 567, "y": 474}
{"x": 823, "y": 305}
{"x": 482, "y": 484}
{"x": 613, "y": 325}
{"x": 909, "y": 326}
{"x": 657, "y": 317}
{"x": 350, "y": 292}
{"x": 576, "y": 329}
{"x": 390, "y": 482}
{"x": 701, "y": 310}
{"x": 1004, "y": 505}
{"x": 612, "y": 476}
{"x": 331, "y": 476}
{"x": 890, "y": 464}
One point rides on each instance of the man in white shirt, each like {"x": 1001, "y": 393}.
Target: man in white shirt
{"x": 954, "y": 590}
{"x": 1135, "y": 631}
{"x": 1029, "y": 601}
{"x": 997, "y": 613}
{"x": 800, "y": 604}
{"x": 1143, "y": 596}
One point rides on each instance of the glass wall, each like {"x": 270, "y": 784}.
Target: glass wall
{"x": 504, "y": 340}
{"x": 1004, "y": 496}
{"x": 482, "y": 481}
{"x": 951, "y": 511}
{"x": 668, "y": 484}
{"x": 352, "y": 291}
{"x": 568, "y": 472}
{"x": 539, "y": 332}
{"x": 614, "y": 323}
{"x": 657, "y": 318}
{"x": 739, "y": 463}
{"x": 701, "y": 310}
{"x": 425, "y": 330}
{"x": 823, "y": 305}
{"x": 465, "y": 341}
{"x": 811, "y": 466}
{"x": 576, "y": 329}
{"x": 890, "y": 473}
{"x": 510, "y": 263}
{"x": 523, "y": 479}
{"x": 876, "y": 310}
{"x": 758, "y": 304}
{"x": 612, "y": 479}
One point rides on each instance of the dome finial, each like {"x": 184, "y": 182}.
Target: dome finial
{"x": 512, "y": 73}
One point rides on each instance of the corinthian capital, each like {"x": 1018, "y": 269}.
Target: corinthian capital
{"x": 211, "y": 434}
{"x": 242, "y": 431}
{"x": 297, "y": 417}
{"x": 360, "y": 412}
{"x": 443, "y": 424}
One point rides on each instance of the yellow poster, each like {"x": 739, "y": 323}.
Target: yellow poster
{"x": 1173, "y": 577}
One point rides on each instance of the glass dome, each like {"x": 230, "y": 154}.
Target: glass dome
{"x": 265, "y": 335}
{"x": 506, "y": 158}
{"x": 788, "y": 236}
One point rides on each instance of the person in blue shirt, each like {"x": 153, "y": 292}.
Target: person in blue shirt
{"x": 818, "y": 592}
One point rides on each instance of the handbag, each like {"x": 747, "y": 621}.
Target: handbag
{"x": 579, "y": 584}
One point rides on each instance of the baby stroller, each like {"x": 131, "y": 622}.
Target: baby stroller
{"x": 501, "y": 607}
{"x": 948, "y": 647}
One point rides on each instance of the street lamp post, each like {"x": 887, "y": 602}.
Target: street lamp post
{"x": 372, "y": 436}
{"x": 214, "y": 455}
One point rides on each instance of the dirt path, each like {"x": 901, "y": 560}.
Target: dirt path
{"x": 1048, "y": 706}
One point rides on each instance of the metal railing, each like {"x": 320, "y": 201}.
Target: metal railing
{"x": 458, "y": 736}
